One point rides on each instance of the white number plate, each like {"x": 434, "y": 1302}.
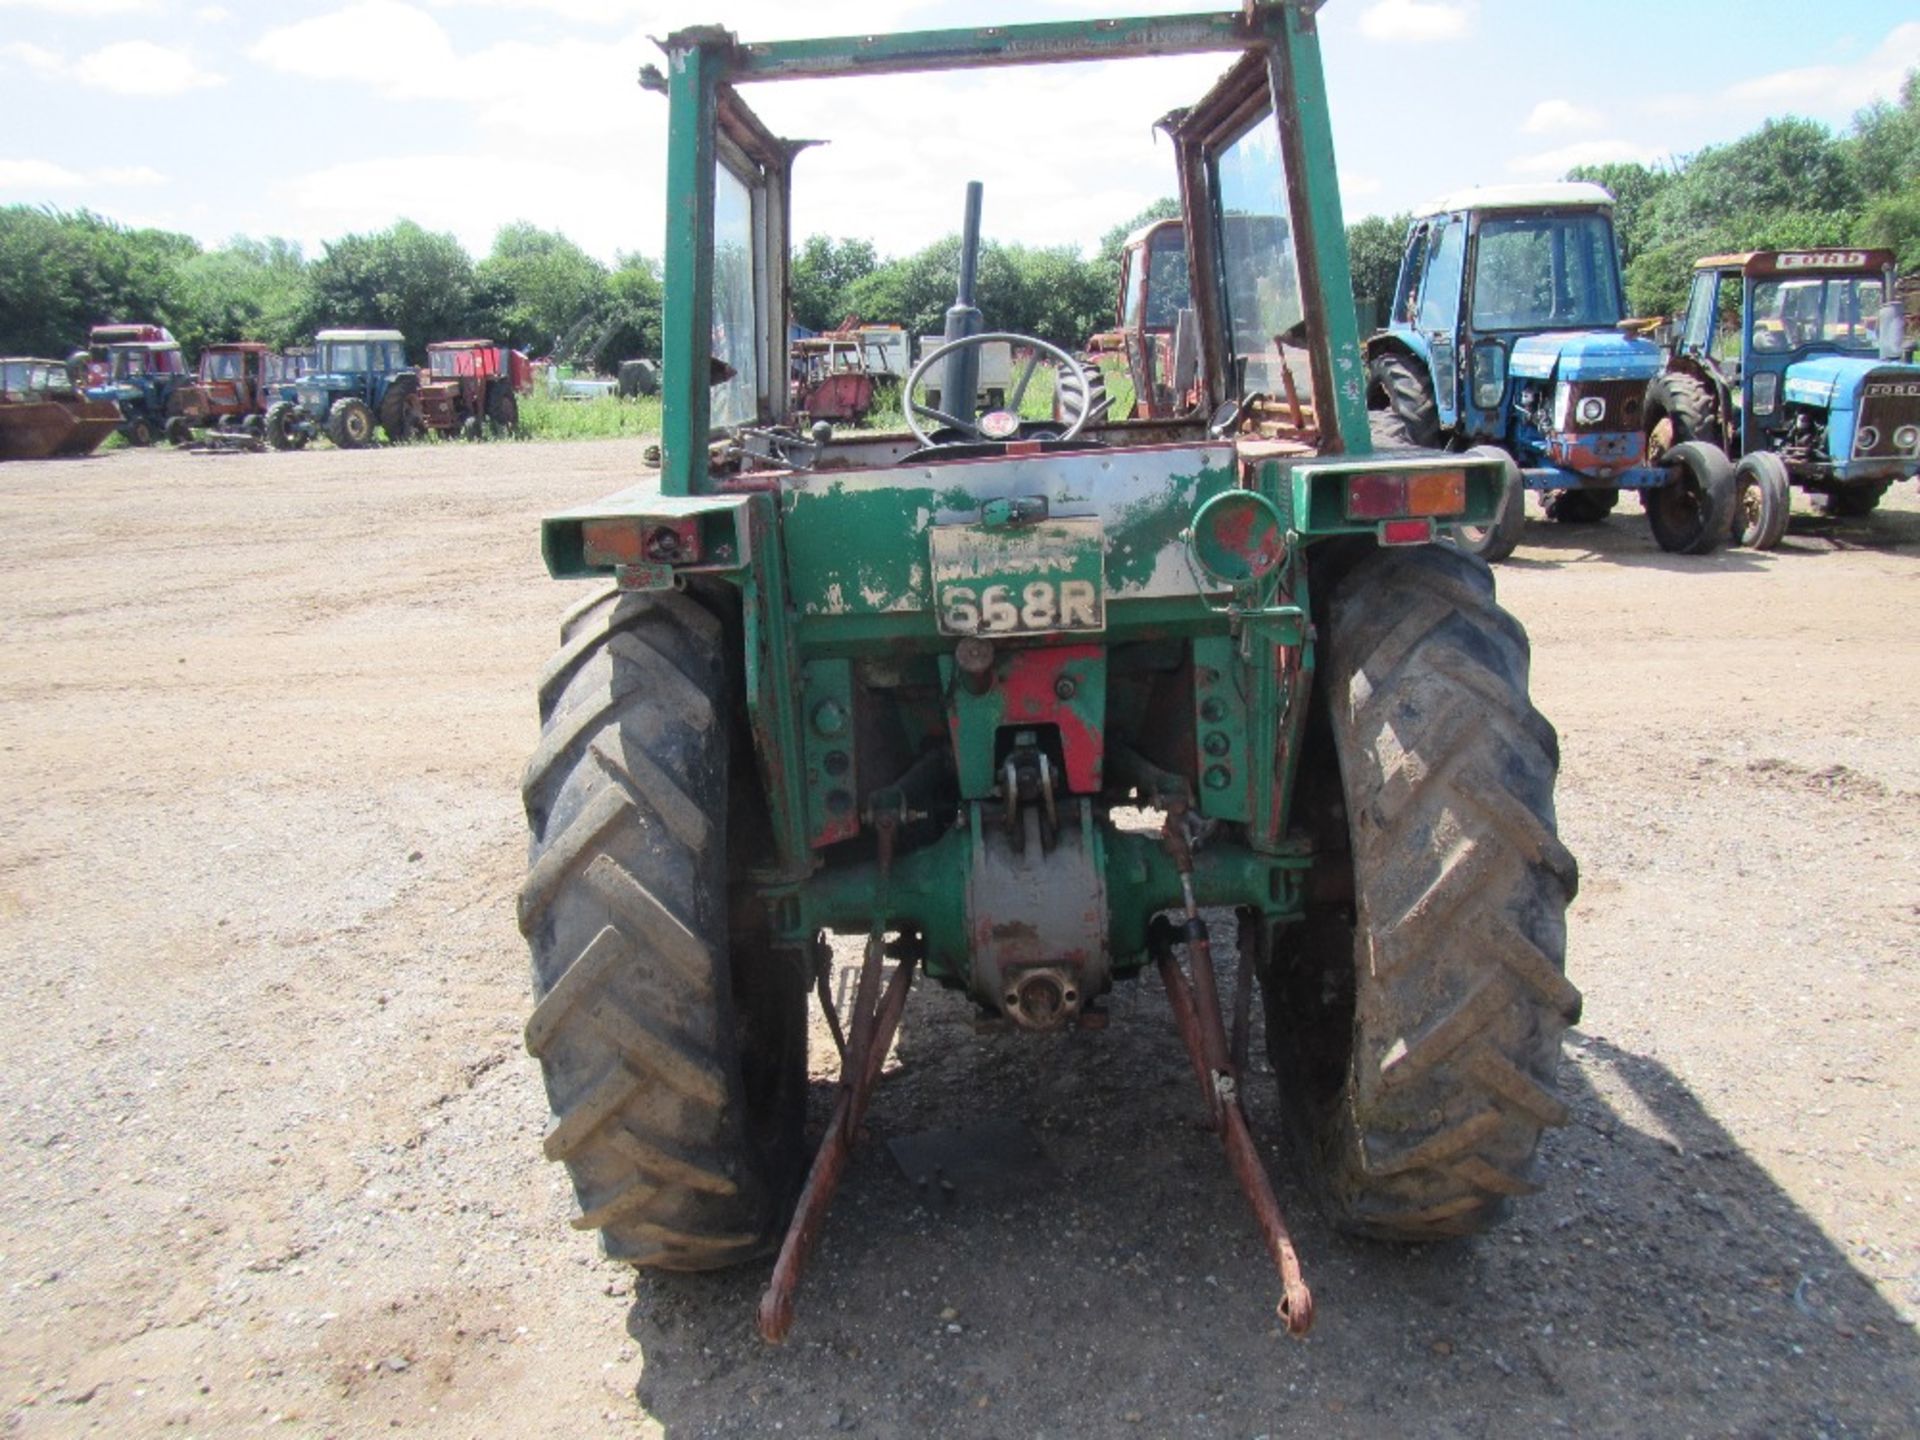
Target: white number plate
{"x": 1023, "y": 580}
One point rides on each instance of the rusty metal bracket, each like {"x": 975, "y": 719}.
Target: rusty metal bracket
{"x": 1196, "y": 1014}
{"x": 875, "y": 1019}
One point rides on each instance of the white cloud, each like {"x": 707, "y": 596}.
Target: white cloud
{"x": 1829, "y": 87}
{"x": 212, "y": 14}
{"x": 36, "y": 176}
{"x": 1415, "y": 20}
{"x": 71, "y": 8}
{"x": 127, "y": 67}
{"x": 1558, "y": 115}
{"x": 1581, "y": 152}
{"x": 34, "y": 57}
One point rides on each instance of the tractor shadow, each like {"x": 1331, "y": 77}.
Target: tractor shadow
{"x": 1662, "y": 1282}
{"x": 1624, "y": 538}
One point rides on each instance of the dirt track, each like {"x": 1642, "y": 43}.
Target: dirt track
{"x": 271, "y": 1148}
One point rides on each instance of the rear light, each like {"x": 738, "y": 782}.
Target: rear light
{"x": 611, "y": 542}
{"x": 1376, "y": 497}
{"x": 1406, "y": 532}
{"x": 1439, "y": 492}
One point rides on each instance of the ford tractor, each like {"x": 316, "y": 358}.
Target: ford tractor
{"x": 1037, "y": 707}
{"x": 359, "y": 378}
{"x": 1794, "y": 362}
{"x": 1503, "y": 339}
{"x": 140, "y": 368}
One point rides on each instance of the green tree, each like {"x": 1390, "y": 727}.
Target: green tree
{"x": 1374, "y": 246}
{"x": 539, "y": 283}
{"x": 404, "y": 277}
{"x": 822, "y": 277}
{"x": 247, "y": 290}
{"x": 61, "y": 274}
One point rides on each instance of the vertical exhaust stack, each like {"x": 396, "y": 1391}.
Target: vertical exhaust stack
{"x": 961, "y": 383}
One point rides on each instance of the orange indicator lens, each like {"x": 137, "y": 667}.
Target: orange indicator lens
{"x": 1439, "y": 492}
{"x": 611, "y": 542}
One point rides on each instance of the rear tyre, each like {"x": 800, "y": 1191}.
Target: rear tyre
{"x": 1855, "y": 500}
{"x": 503, "y": 409}
{"x": 1496, "y": 542}
{"x": 396, "y": 409}
{"x": 1582, "y": 507}
{"x": 1692, "y": 514}
{"x": 350, "y": 424}
{"x": 1411, "y": 416}
{"x": 1678, "y": 407}
{"x": 1762, "y": 500}
{"x": 1416, "y": 1032}
{"x": 675, "y": 1061}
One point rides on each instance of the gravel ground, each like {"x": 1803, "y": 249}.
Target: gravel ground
{"x": 271, "y": 1147}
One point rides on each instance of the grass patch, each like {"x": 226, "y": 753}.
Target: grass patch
{"x": 607, "y": 417}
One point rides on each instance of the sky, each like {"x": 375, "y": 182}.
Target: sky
{"x": 318, "y": 120}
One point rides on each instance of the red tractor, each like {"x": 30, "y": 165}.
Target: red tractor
{"x": 240, "y": 380}
{"x": 1156, "y": 335}
{"x": 469, "y": 384}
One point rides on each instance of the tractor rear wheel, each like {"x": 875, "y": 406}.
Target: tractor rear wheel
{"x": 1678, "y": 407}
{"x": 397, "y": 414}
{"x": 503, "y": 409}
{"x": 1855, "y": 500}
{"x": 1411, "y": 416}
{"x": 674, "y": 1051}
{"x": 1692, "y": 514}
{"x": 1497, "y": 541}
{"x": 1583, "y": 507}
{"x": 1416, "y": 1029}
{"x": 1762, "y": 500}
{"x": 350, "y": 424}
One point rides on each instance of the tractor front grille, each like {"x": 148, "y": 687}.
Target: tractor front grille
{"x": 1889, "y": 427}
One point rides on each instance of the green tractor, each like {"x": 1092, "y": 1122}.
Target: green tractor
{"x": 924, "y": 686}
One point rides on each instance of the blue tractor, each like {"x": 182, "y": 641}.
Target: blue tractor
{"x": 359, "y": 378}
{"x": 140, "y": 369}
{"x": 1794, "y": 361}
{"x": 1505, "y": 336}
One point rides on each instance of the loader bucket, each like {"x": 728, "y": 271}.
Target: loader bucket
{"x": 39, "y": 429}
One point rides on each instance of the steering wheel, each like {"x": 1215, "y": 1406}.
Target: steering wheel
{"x": 1002, "y": 424}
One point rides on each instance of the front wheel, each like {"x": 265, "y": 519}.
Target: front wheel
{"x": 282, "y": 427}
{"x": 179, "y": 431}
{"x": 1416, "y": 1028}
{"x": 1496, "y": 541}
{"x": 1763, "y": 499}
{"x": 350, "y": 424}
{"x": 139, "y": 433}
{"x": 673, "y": 1046}
{"x": 1692, "y": 514}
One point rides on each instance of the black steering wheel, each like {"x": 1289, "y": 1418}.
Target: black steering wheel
{"x": 1002, "y": 424}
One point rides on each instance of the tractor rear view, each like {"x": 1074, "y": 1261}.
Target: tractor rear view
{"x": 917, "y": 686}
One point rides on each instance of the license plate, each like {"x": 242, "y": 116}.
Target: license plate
{"x": 1035, "y": 579}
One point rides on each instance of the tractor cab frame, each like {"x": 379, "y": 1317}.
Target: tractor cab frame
{"x": 1158, "y": 335}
